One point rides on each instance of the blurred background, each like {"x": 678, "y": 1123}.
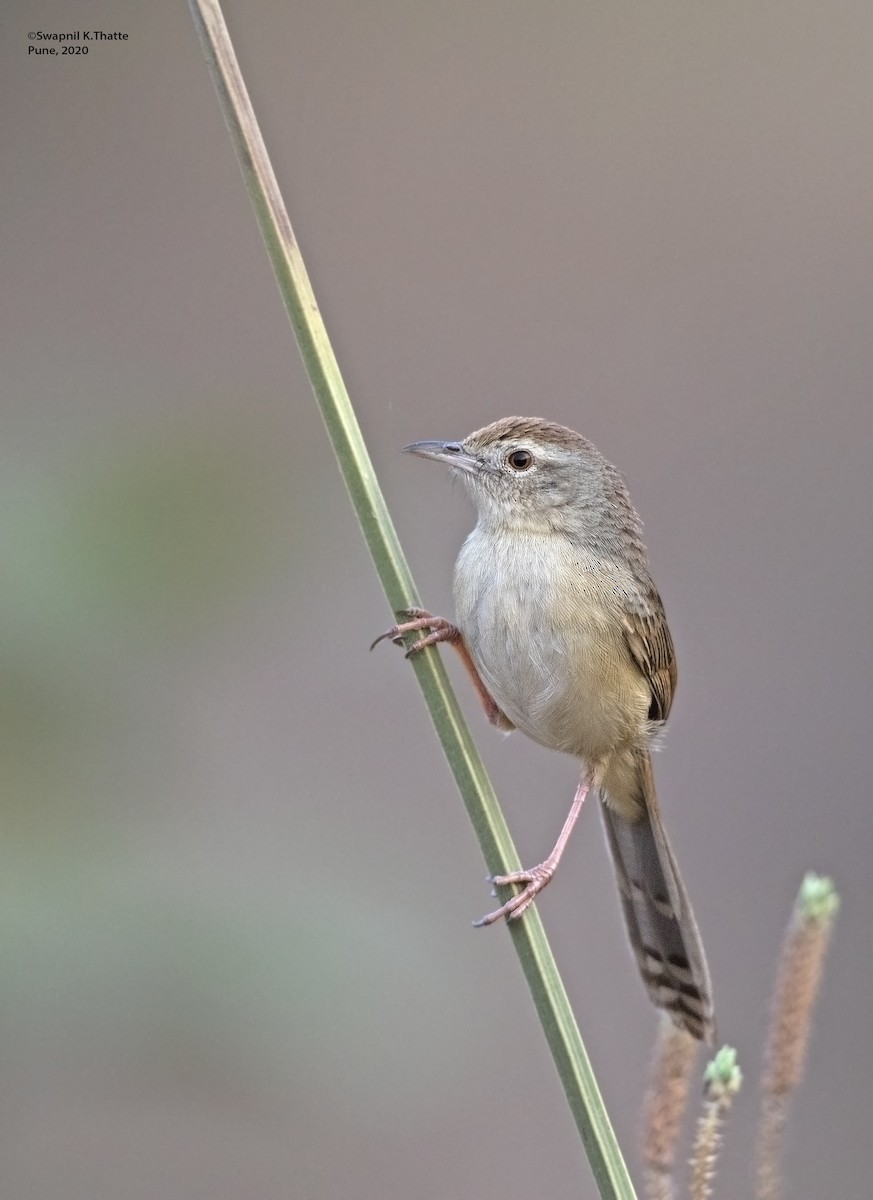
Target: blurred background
{"x": 236, "y": 882}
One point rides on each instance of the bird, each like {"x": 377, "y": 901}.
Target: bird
{"x": 564, "y": 636}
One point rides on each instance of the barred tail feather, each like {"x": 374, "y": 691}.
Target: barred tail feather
{"x": 661, "y": 926}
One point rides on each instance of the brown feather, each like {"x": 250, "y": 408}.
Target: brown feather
{"x": 660, "y": 923}
{"x": 651, "y": 646}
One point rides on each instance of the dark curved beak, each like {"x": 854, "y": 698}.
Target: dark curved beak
{"x": 451, "y": 453}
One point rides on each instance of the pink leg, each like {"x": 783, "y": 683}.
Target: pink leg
{"x": 537, "y": 878}
{"x": 442, "y": 630}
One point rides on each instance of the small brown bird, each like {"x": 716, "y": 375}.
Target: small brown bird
{"x": 564, "y": 636}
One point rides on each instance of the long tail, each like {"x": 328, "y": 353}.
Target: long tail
{"x": 661, "y": 926}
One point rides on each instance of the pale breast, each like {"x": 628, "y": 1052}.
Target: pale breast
{"x": 543, "y": 624}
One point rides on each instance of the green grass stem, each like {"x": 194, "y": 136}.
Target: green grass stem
{"x": 538, "y": 964}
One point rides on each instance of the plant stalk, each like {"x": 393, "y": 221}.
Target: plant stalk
{"x": 538, "y": 964}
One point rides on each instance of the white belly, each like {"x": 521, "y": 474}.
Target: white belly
{"x": 549, "y": 648}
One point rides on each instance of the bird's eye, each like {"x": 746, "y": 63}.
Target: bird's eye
{"x": 520, "y": 460}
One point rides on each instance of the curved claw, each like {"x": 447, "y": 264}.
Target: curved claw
{"x": 391, "y": 633}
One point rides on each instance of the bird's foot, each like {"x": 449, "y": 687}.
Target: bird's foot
{"x": 441, "y": 630}
{"x": 534, "y": 881}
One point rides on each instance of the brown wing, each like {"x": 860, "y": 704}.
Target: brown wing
{"x": 650, "y": 644}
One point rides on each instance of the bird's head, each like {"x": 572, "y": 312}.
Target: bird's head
{"x": 524, "y": 472}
